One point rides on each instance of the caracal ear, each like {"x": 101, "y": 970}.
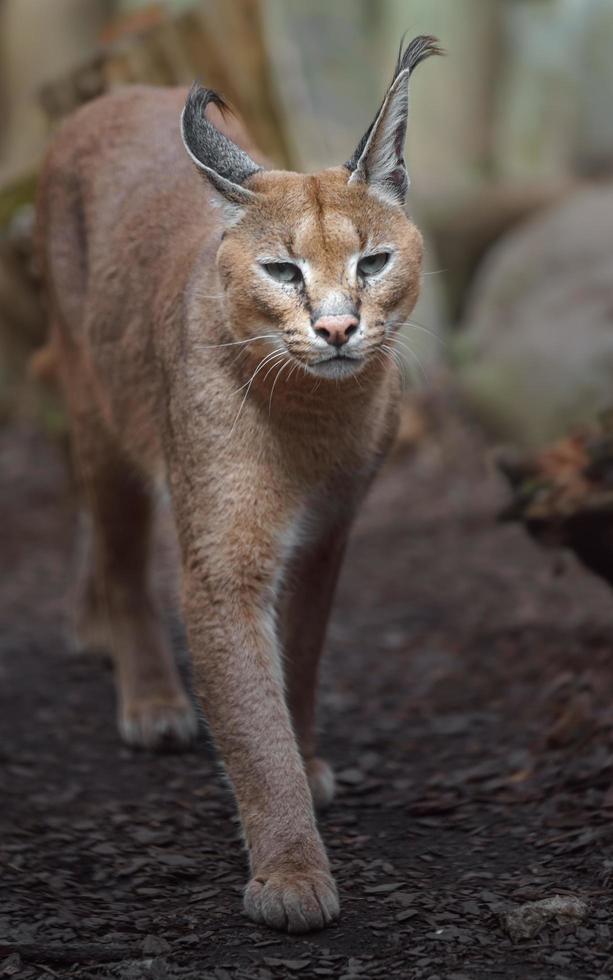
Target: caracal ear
{"x": 226, "y": 166}
{"x": 378, "y": 160}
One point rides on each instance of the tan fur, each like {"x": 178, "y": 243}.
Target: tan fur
{"x": 150, "y": 286}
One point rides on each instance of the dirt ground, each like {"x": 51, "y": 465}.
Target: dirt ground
{"x": 466, "y": 706}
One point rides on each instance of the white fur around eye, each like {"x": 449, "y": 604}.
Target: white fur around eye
{"x": 265, "y": 260}
{"x": 355, "y": 259}
{"x": 352, "y": 265}
{"x": 285, "y": 273}
{"x": 373, "y": 264}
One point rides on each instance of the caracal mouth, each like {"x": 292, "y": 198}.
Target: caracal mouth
{"x": 337, "y": 365}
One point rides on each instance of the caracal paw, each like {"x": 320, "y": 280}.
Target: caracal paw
{"x": 164, "y": 722}
{"x": 293, "y": 901}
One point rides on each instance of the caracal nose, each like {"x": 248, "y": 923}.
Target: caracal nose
{"x": 336, "y": 330}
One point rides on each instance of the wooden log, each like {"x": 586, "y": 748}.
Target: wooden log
{"x": 222, "y": 44}
{"x": 564, "y": 495}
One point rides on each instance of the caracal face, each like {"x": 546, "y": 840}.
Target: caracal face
{"x": 322, "y": 269}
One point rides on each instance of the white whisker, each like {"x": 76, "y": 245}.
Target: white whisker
{"x": 277, "y": 376}
{"x": 382, "y": 356}
{"x": 271, "y": 368}
{"x": 295, "y": 368}
{"x": 265, "y": 360}
{"x": 261, "y": 364}
{"x": 415, "y": 357}
{"x": 395, "y": 358}
{"x": 416, "y": 326}
{"x": 234, "y": 343}
{"x": 403, "y": 344}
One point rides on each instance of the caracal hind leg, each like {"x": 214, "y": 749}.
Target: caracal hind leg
{"x": 312, "y": 581}
{"x": 118, "y": 609}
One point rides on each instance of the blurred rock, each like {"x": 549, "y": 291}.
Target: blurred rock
{"x": 463, "y": 225}
{"x": 536, "y": 353}
{"x": 155, "y": 945}
{"x": 528, "y": 920}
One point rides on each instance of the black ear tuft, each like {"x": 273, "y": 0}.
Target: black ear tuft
{"x": 378, "y": 157}
{"x": 416, "y": 51}
{"x": 218, "y": 157}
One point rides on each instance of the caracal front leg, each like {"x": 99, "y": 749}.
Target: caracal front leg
{"x": 312, "y": 583}
{"x": 230, "y": 579}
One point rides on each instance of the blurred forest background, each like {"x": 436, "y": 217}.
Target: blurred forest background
{"x": 466, "y": 699}
{"x": 510, "y": 151}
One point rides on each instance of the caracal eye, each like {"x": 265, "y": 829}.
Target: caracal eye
{"x": 370, "y": 265}
{"x": 285, "y": 272}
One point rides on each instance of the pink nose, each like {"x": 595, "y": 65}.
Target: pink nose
{"x": 336, "y": 330}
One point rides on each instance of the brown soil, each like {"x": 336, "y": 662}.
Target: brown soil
{"x": 466, "y": 705}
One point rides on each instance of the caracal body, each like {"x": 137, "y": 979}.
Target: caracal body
{"x": 159, "y": 283}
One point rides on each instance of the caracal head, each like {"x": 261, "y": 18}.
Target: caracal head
{"x": 324, "y": 266}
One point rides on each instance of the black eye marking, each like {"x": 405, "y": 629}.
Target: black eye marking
{"x": 370, "y": 265}
{"x": 285, "y": 272}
